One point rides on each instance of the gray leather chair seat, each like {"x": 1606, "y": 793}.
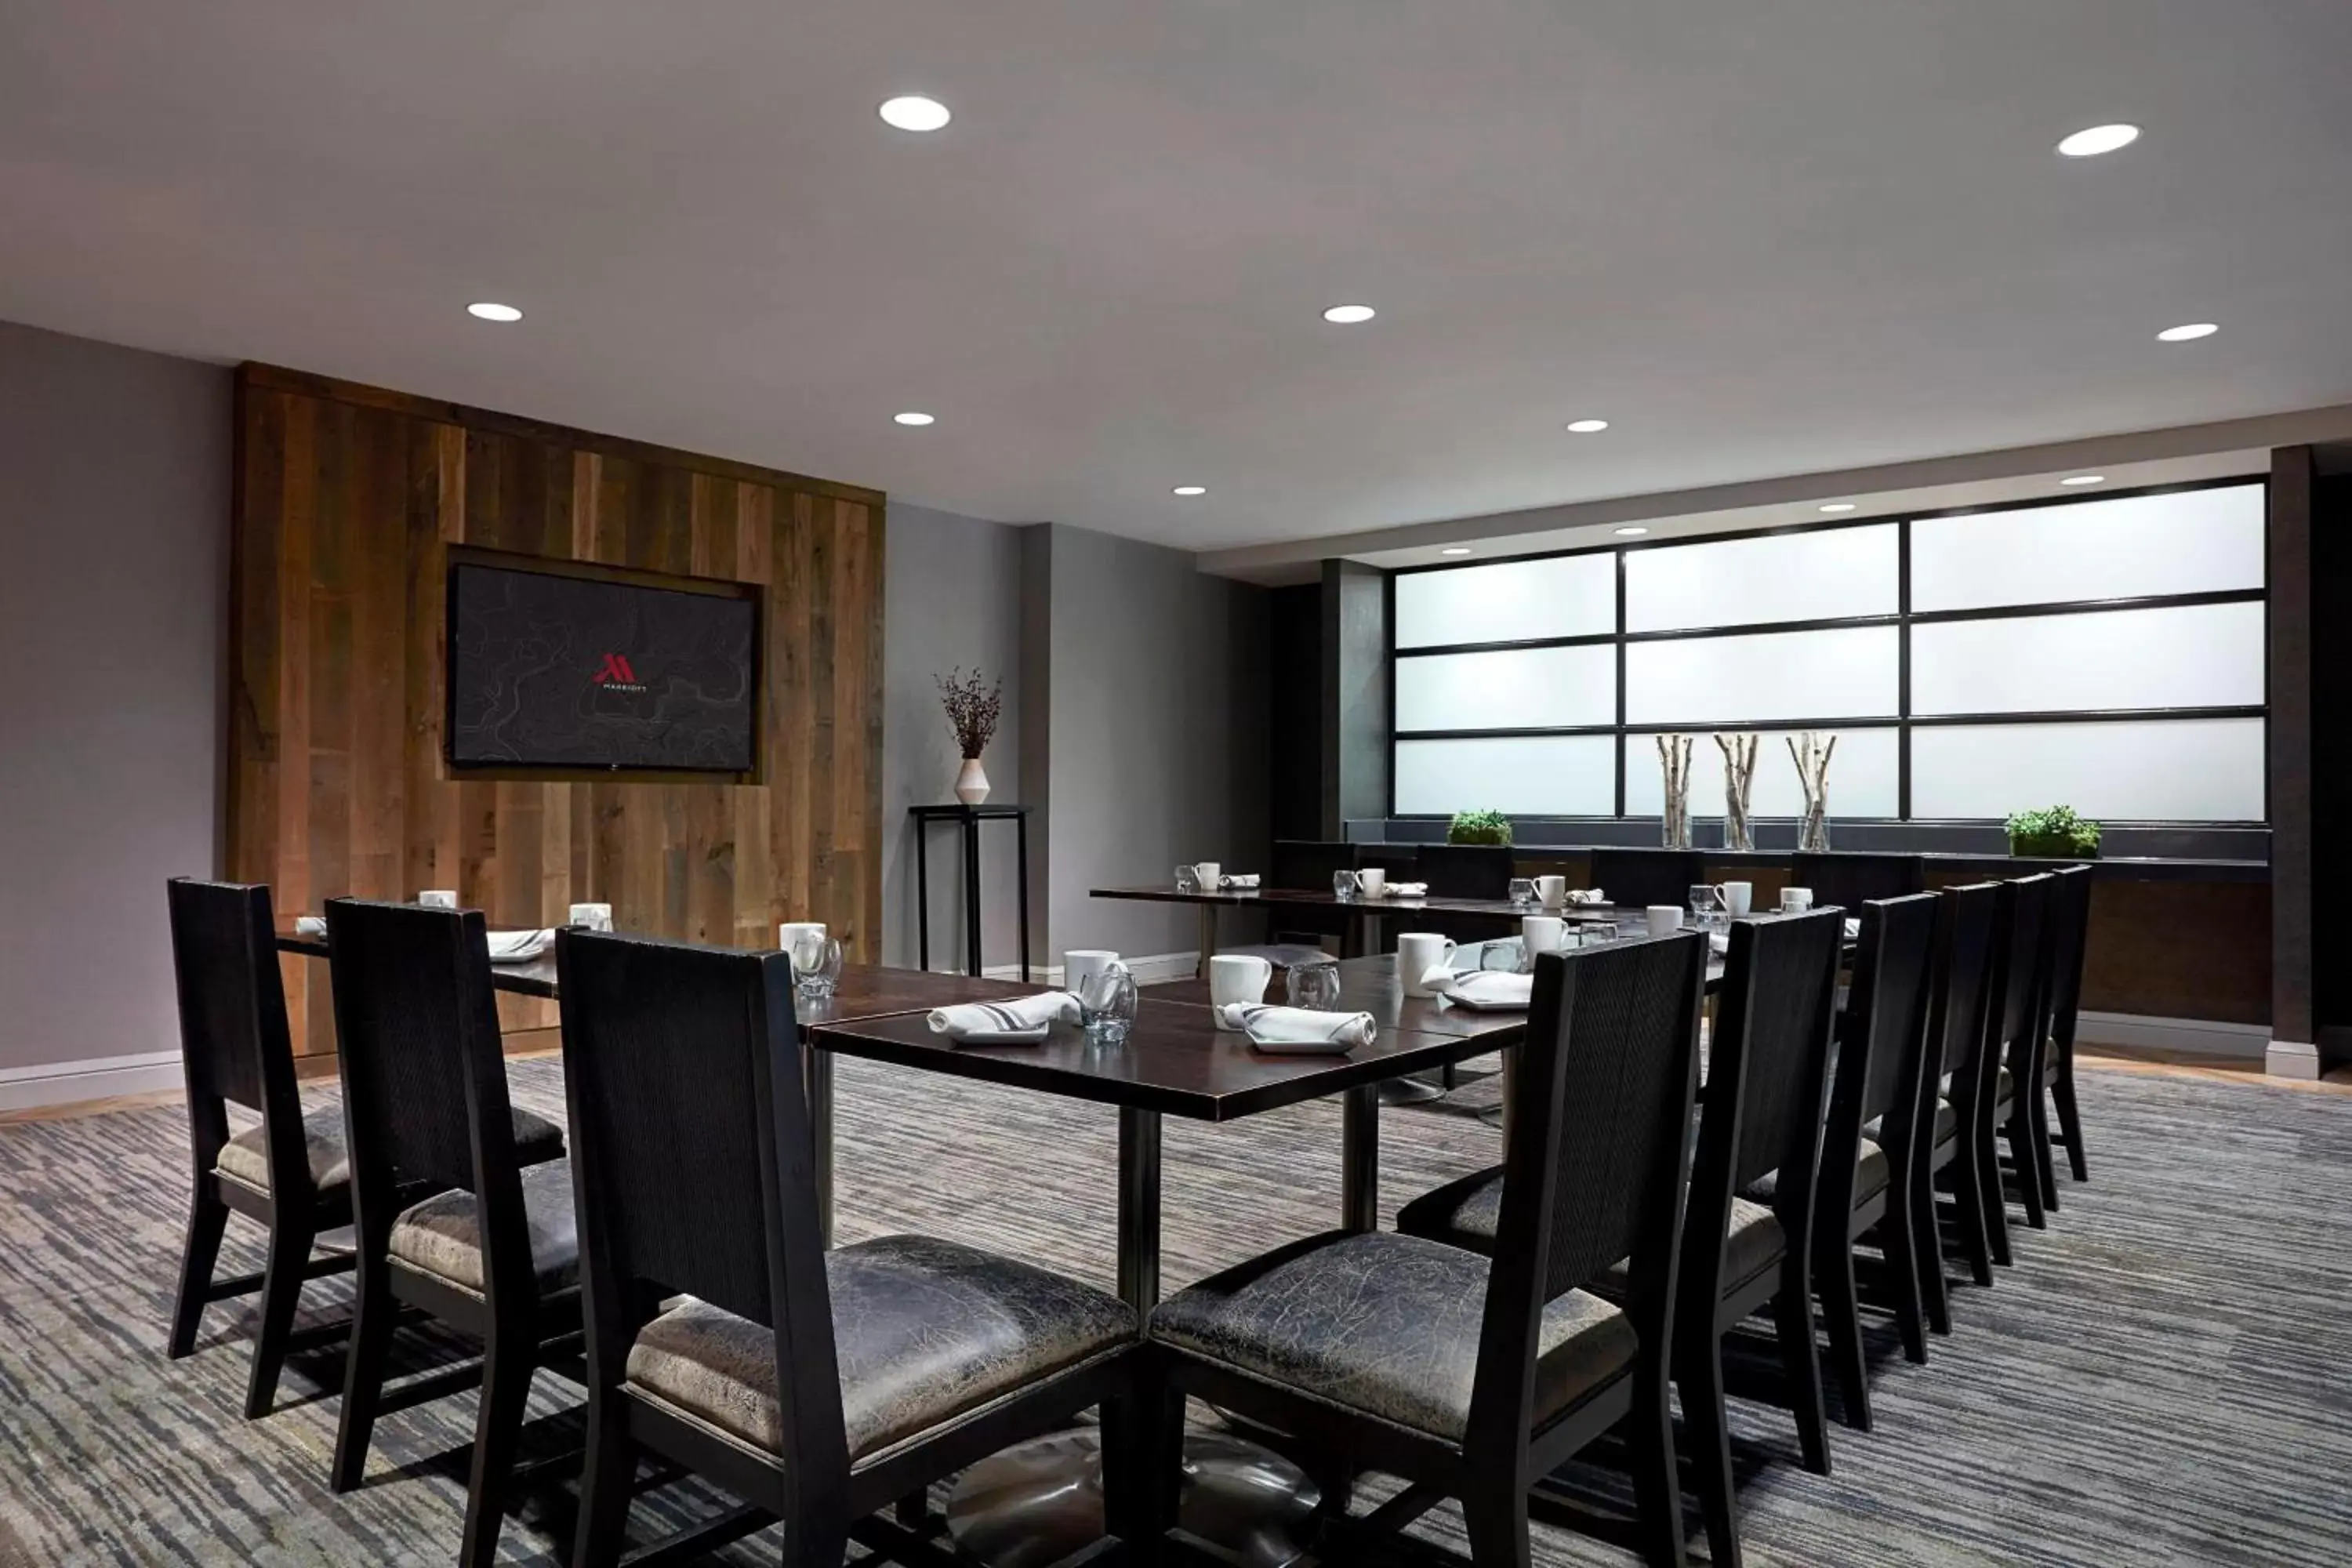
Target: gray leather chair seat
{"x": 443, "y": 1236}
{"x": 1471, "y": 1209}
{"x": 1947, "y": 1122}
{"x": 924, "y": 1331}
{"x": 1386, "y": 1324}
{"x": 1870, "y": 1176}
{"x": 246, "y": 1157}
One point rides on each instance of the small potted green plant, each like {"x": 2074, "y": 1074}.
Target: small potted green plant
{"x": 1479, "y": 827}
{"x": 2056, "y": 833}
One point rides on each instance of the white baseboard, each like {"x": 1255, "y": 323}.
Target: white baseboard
{"x": 99, "y": 1077}
{"x": 2291, "y": 1058}
{"x": 2191, "y": 1036}
{"x": 1157, "y": 968}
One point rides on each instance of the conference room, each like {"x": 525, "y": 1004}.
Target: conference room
{"x": 908, "y": 862}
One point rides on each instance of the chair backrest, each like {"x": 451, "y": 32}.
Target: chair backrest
{"x": 1599, "y": 1140}
{"x": 423, "y": 1073}
{"x": 1305, "y": 863}
{"x": 2067, "y": 926}
{"x": 2018, "y": 965}
{"x": 1466, "y": 870}
{"x": 1881, "y": 1043}
{"x": 1401, "y": 861}
{"x": 1855, "y": 880}
{"x": 1767, "y": 1073}
{"x": 1636, "y": 878}
{"x": 683, "y": 1073}
{"x": 233, "y": 1039}
{"x": 1962, "y": 984}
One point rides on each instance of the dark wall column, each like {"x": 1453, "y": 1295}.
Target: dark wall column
{"x": 2293, "y": 1050}
{"x": 1355, "y": 706}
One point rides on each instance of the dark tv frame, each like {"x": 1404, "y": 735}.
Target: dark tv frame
{"x": 750, "y": 593}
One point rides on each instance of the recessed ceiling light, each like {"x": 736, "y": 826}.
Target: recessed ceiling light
{"x": 1456, "y": 550}
{"x": 2189, "y": 333}
{"x": 1191, "y": 490}
{"x": 1586, "y": 426}
{"x": 1349, "y": 315}
{"x": 2099, "y": 139}
{"x": 915, "y": 113}
{"x": 1631, "y": 533}
{"x": 488, "y": 310}
{"x": 2084, "y": 480}
{"x": 911, "y": 417}
{"x": 1837, "y": 506}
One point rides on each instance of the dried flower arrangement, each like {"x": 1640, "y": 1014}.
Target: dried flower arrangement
{"x": 973, "y": 704}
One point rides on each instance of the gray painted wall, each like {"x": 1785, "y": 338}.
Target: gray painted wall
{"x": 1156, "y": 720}
{"x": 114, "y": 500}
{"x": 951, "y": 597}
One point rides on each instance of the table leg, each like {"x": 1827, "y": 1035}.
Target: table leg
{"x": 820, "y": 1105}
{"x": 1207, "y": 940}
{"x": 1021, "y": 822}
{"x": 1360, "y": 1159}
{"x": 1138, "y": 1208}
{"x": 971, "y": 896}
{"x": 922, "y": 894}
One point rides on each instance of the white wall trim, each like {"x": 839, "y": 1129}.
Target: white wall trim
{"x": 1157, "y": 968}
{"x": 2291, "y": 1058}
{"x": 2196, "y": 1036}
{"x": 97, "y": 1078}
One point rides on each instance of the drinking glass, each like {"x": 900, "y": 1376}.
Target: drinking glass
{"x": 1343, "y": 884}
{"x": 1186, "y": 880}
{"x": 1595, "y": 933}
{"x": 1507, "y": 954}
{"x": 1107, "y": 1005}
{"x": 1523, "y": 893}
{"x": 816, "y": 965}
{"x": 1314, "y": 985}
{"x": 1706, "y": 905}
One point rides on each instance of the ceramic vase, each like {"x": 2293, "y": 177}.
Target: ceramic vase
{"x": 972, "y": 782}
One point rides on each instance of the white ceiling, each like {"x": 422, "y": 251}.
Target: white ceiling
{"x": 1762, "y": 240}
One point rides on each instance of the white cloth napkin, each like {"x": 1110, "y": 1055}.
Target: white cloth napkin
{"x": 1277, "y": 1028}
{"x": 518, "y": 946}
{"x": 1718, "y": 942}
{"x": 1405, "y": 890}
{"x": 1239, "y": 884}
{"x": 310, "y": 925}
{"x": 1022, "y": 1015}
{"x": 1854, "y": 928}
{"x": 1589, "y": 897}
{"x": 1484, "y": 989}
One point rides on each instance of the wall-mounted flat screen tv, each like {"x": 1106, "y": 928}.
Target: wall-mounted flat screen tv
{"x": 559, "y": 671}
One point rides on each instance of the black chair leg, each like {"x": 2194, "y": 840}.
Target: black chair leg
{"x": 606, "y": 1481}
{"x": 2070, "y": 1120}
{"x": 1700, "y": 1376}
{"x": 2018, "y": 1132}
{"x": 1657, "y": 1486}
{"x": 508, "y": 1363}
{"x": 1497, "y": 1523}
{"x": 1993, "y": 1206}
{"x": 281, "y": 1292}
{"x": 2045, "y": 1170}
{"x": 207, "y": 1218}
{"x": 1801, "y": 1360}
{"x": 1927, "y": 1257}
{"x": 1900, "y": 1245}
{"x": 1842, "y": 1318}
{"x": 373, "y": 1315}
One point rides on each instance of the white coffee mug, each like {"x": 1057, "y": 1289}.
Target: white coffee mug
{"x": 1796, "y": 901}
{"x": 438, "y": 898}
{"x": 1208, "y": 873}
{"x": 1664, "y": 918}
{"x": 789, "y": 934}
{"x": 1542, "y": 934}
{"x": 1371, "y": 879}
{"x": 1552, "y": 892}
{"x": 592, "y": 917}
{"x": 1738, "y": 897}
{"x": 1237, "y": 977}
{"x": 1083, "y": 964}
{"x": 1418, "y": 952}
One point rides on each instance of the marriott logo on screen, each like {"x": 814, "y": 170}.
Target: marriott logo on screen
{"x": 614, "y": 674}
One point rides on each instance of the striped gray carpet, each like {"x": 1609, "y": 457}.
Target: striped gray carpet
{"x": 2163, "y": 1379}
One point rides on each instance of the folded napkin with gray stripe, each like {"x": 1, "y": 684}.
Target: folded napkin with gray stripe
{"x": 1024, "y": 1020}
{"x": 1482, "y": 989}
{"x": 1586, "y": 898}
{"x": 1243, "y": 884}
{"x": 1405, "y": 890}
{"x": 519, "y": 946}
{"x": 1299, "y": 1029}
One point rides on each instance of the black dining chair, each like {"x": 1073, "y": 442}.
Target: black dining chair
{"x": 1299, "y": 933}
{"x": 1466, "y": 870}
{"x": 1852, "y": 879}
{"x": 1471, "y": 1378}
{"x": 289, "y": 1172}
{"x": 1956, "y": 1141}
{"x": 1767, "y": 1072}
{"x": 2068, "y": 931}
{"x": 1868, "y": 1158}
{"x": 1635, "y": 878}
{"x": 461, "y": 1203}
{"x": 723, "y": 1338}
{"x": 2013, "y": 1048}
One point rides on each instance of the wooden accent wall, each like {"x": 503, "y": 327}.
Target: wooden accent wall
{"x": 348, "y": 500}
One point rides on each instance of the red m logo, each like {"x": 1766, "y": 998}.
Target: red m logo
{"x": 616, "y": 667}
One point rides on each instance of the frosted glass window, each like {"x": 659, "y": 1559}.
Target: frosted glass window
{"x": 1510, "y": 601}
{"x": 2179, "y": 770}
{"x": 2200, "y": 656}
{"x": 2193, "y": 542}
{"x": 1523, "y": 688}
{"x": 1850, "y": 673}
{"x": 1742, "y": 582}
{"x": 1540, "y": 775}
{"x": 1865, "y": 776}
